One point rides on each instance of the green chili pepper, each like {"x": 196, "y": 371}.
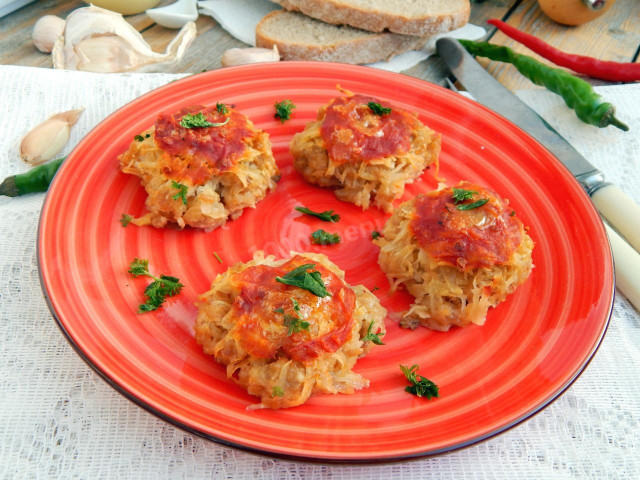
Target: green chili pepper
{"x": 35, "y": 180}
{"x": 577, "y": 94}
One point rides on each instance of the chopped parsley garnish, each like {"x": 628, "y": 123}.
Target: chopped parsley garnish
{"x": 372, "y": 337}
{"x": 277, "y": 392}
{"x": 215, "y": 254}
{"x": 460, "y": 195}
{"x": 327, "y": 215}
{"x": 471, "y": 206}
{"x": 182, "y": 191}
{"x": 199, "y": 121}
{"x": 375, "y": 234}
{"x": 283, "y": 110}
{"x": 125, "y": 219}
{"x": 420, "y": 386}
{"x": 311, "y": 281}
{"x": 158, "y": 290}
{"x": 375, "y": 288}
{"x": 378, "y": 109}
{"x": 294, "y": 323}
{"x": 222, "y": 108}
{"x": 320, "y": 237}
{"x": 513, "y": 212}
{"x": 147, "y": 135}
{"x": 139, "y": 138}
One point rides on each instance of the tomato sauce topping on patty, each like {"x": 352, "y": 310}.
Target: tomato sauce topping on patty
{"x": 351, "y": 131}
{"x": 263, "y": 306}
{"x": 483, "y": 236}
{"x": 197, "y": 154}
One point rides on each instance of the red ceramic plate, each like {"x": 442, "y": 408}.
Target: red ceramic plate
{"x": 491, "y": 377}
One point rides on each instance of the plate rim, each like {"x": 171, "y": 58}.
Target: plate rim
{"x": 265, "y": 451}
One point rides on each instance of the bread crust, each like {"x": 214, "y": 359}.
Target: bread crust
{"x": 372, "y": 48}
{"x": 339, "y": 13}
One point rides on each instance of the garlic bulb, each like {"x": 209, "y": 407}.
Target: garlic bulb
{"x": 98, "y": 40}
{"x": 45, "y": 141}
{"x": 242, "y": 56}
{"x": 46, "y": 31}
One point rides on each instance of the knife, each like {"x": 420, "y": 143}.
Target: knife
{"x": 612, "y": 203}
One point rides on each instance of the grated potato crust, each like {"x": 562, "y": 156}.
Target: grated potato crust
{"x": 211, "y": 204}
{"x": 379, "y": 181}
{"x": 445, "y": 295}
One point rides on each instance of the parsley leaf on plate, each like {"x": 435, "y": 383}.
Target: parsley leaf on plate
{"x": 158, "y": 290}
{"x": 327, "y": 215}
{"x": 320, "y": 237}
{"x": 125, "y": 219}
{"x": 283, "y": 110}
{"x": 420, "y": 386}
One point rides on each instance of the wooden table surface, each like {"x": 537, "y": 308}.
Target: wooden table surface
{"x": 613, "y": 36}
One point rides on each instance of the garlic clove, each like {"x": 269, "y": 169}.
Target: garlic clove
{"x": 98, "y": 40}
{"x": 46, "y": 31}
{"x": 242, "y": 56}
{"x": 45, "y": 141}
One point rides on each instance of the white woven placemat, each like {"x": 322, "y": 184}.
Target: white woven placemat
{"x": 60, "y": 420}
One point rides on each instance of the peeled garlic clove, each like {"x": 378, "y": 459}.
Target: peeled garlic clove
{"x": 46, "y": 31}
{"x": 46, "y": 140}
{"x": 99, "y": 40}
{"x": 242, "y": 56}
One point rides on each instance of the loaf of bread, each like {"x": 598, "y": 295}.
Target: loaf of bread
{"x": 422, "y": 18}
{"x": 300, "y": 37}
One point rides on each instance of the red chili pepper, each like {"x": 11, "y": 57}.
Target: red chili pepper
{"x": 604, "y": 70}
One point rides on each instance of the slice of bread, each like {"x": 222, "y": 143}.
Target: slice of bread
{"x": 422, "y": 18}
{"x": 299, "y": 37}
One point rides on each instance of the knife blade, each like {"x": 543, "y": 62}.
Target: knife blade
{"x": 612, "y": 203}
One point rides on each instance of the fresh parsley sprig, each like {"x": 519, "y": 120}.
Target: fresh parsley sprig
{"x": 182, "y": 191}
{"x": 372, "y": 337}
{"x": 222, "y": 108}
{"x": 326, "y": 216}
{"x": 471, "y": 206}
{"x": 460, "y": 195}
{"x": 311, "y": 281}
{"x": 294, "y": 323}
{"x": 283, "y": 110}
{"x": 200, "y": 121}
{"x": 158, "y": 290}
{"x": 420, "y": 386}
{"x": 321, "y": 237}
{"x": 125, "y": 219}
{"x": 378, "y": 109}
